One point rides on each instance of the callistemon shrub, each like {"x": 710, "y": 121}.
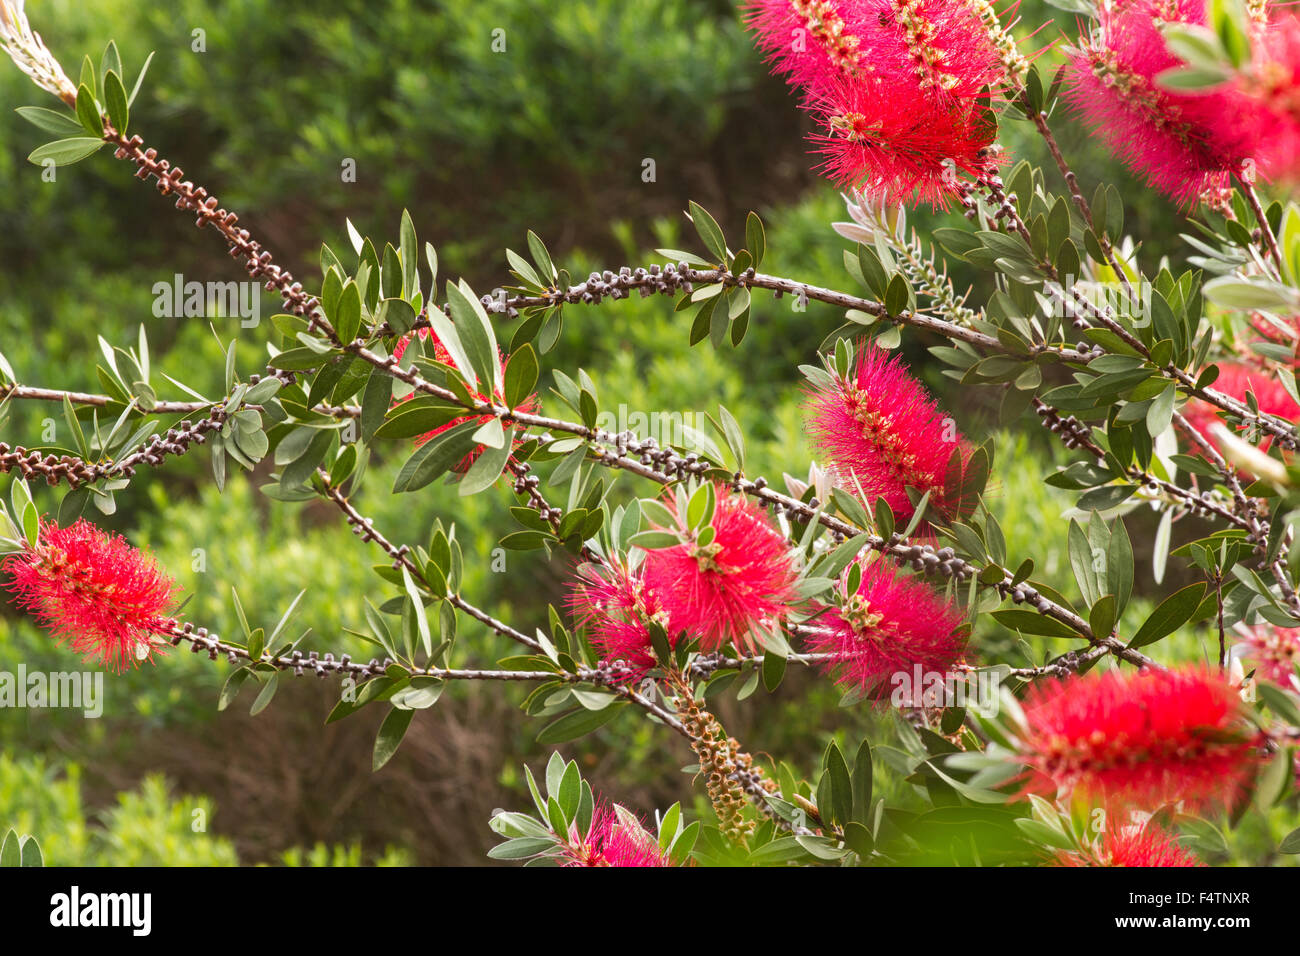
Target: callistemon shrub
{"x": 989, "y": 558}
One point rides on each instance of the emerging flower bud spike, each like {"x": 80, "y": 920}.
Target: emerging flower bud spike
{"x": 95, "y": 592}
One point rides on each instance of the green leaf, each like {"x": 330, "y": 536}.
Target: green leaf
{"x": 576, "y": 724}
{"x": 488, "y": 465}
{"x": 391, "y": 732}
{"x": 264, "y": 698}
{"x": 348, "y": 310}
{"x": 710, "y": 232}
{"x": 65, "y": 152}
{"x": 9, "y": 850}
{"x": 755, "y": 238}
{"x": 1290, "y": 843}
{"x": 139, "y": 80}
{"x": 476, "y": 336}
{"x": 115, "y": 102}
{"x": 60, "y": 124}
{"x": 1031, "y": 622}
{"x": 520, "y": 376}
{"x": 436, "y": 456}
{"x": 31, "y": 852}
{"x": 88, "y": 112}
{"x": 1172, "y": 613}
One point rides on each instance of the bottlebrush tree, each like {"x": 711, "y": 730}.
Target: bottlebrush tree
{"x": 1172, "y": 383}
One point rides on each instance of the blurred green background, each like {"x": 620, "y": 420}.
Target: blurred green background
{"x": 552, "y": 133}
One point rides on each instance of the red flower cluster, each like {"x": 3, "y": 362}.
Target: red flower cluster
{"x": 1275, "y": 652}
{"x": 1146, "y": 738}
{"x": 890, "y": 625}
{"x": 478, "y": 391}
{"x": 721, "y": 592}
{"x": 617, "y": 607}
{"x": 1130, "y": 846}
{"x": 616, "y": 838}
{"x": 93, "y": 591}
{"x": 898, "y": 88}
{"x": 1187, "y": 145}
{"x": 1190, "y": 145}
{"x": 881, "y": 430}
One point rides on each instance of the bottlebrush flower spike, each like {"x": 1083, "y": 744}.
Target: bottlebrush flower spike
{"x": 731, "y": 578}
{"x": 1130, "y": 846}
{"x": 617, "y": 608}
{"x": 879, "y": 430}
{"x": 1186, "y": 145}
{"x": 1145, "y": 738}
{"x": 1235, "y": 381}
{"x": 1274, "y": 652}
{"x": 617, "y": 838}
{"x": 1273, "y": 87}
{"x": 891, "y": 625}
{"x": 898, "y": 87}
{"x": 93, "y": 591}
{"x": 441, "y": 354}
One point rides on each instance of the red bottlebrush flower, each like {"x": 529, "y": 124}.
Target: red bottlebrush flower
{"x": 882, "y": 431}
{"x": 1235, "y": 381}
{"x": 882, "y": 144}
{"x": 739, "y": 582}
{"x": 1146, "y": 738}
{"x": 897, "y": 87}
{"x": 616, "y": 606}
{"x": 891, "y": 625}
{"x": 477, "y": 390}
{"x": 93, "y": 591}
{"x": 1273, "y": 85}
{"x": 1275, "y": 652}
{"x": 1130, "y": 846}
{"x": 617, "y": 838}
{"x": 1186, "y": 145}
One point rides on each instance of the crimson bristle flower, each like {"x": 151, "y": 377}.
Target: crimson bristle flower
{"x": 899, "y": 89}
{"x": 617, "y": 608}
{"x": 1144, "y": 738}
{"x": 879, "y": 431}
{"x": 93, "y": 591}
{"x": 616, "y": 838}
{"x": 728, "y": 590}
{"x": 891, "y": 625}
{"x": 1235, "y": 381}
{"x": 1130, "y": 846}
{"x": 1187, "y": 145}
{"x": 1274, "y": 652}
{"x": 477, "y": 390}
{"x": 1273, "y": 85}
